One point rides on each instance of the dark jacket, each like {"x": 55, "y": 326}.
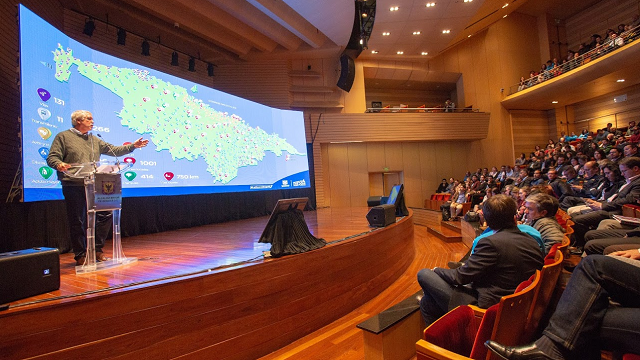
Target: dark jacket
{"x": 498, "y": 265}
{"x": 627, "y": 195}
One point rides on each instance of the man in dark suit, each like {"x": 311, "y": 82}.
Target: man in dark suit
{"x": 560, "y": 188}
{"x": 628, "y": 194}
{"x": 499, "y": 263}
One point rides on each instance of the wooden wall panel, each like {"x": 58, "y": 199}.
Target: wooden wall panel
{"x": 375, "y": 157}
{"x": 596, "y": 113}
{"x": 339, "y": 175}
{"x": 606, "y": 14}
{"x": 358, "y": 174}
{"x": 411, "y": 172}
{"x": 530, "y": 128}
{"x": 393, "y": 156}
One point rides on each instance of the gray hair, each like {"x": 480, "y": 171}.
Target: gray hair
{"x": 544, "y": 202}
{"x": 78, "y": 115}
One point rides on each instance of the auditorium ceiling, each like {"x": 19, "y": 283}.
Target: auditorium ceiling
{"x": 230, "y": 31}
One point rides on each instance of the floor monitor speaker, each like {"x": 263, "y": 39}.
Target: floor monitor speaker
{"x": 382, "y": 215}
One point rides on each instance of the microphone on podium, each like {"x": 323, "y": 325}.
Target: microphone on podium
{"x": 111, "y": 149}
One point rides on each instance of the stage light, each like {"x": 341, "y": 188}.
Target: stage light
{"x": 192, "y": 64}
{"x": 122, "y": 36}
{"x": 89, "y": 27}
{"x": 174, "y": 58}
{"x": 145, "y": 48}
{"x": 210, "y": 69}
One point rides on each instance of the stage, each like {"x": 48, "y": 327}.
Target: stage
{"x": 207, "y": 292}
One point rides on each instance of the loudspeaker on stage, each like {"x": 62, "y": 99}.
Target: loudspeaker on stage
{"x": 28, "y": 272}
{"x": 382, "y": 215}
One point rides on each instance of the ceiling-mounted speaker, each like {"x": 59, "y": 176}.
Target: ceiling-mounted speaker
{"x": 347, "y": 72}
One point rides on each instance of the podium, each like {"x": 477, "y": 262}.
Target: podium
{"x": 103, "y": 191}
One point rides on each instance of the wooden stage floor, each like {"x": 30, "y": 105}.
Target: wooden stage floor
{"x": 169, "y": 305}
{"x": 189, "y": 251}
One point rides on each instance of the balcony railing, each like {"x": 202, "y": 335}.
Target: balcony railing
{"x": 599, "y": 51}
{"x": 421, "y": 110}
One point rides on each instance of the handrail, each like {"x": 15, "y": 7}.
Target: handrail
{"x": 601, "y": 50}
{"x": 421, "y": 109}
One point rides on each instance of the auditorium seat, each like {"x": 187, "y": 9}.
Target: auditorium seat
{"x": 460, "y": 335}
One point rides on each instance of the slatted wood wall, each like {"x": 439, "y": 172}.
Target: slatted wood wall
{"x": 602, "y": 110}
{"x": 607, "y": 14}
{"x": 530, "y": 128}
{"x": 410, "y": 143}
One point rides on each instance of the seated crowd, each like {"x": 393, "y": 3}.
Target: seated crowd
{"x": 590, "y": 178}
{"x": 586, "y": 52}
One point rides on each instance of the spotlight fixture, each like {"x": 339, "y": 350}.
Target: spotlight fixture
{"x": 374, "y": 52}
{"x": 393, "y": 8}
{"x": 210, "y": 69}
{"x": 505, "y": 5}
{"x": 145, "y": 48}
{"x": 89, "y": 27}
{"x": 386, "y": 33}
{"x": 174, "y": 58}
{"x": 122, "y": 36}
{"x": 424, "y": 53}
{"x": 620, "y": 80}
{"x": 400, "y": 52}
{"x": 467, "y": 1}
{"x": 416, "y": 33}
{"x": 446, "y": 31}
{"x": 554, "y": 102}
{"x": 431, "y": 4}
{"x": 505, "y": 16}
{"x": 192, "y": 64}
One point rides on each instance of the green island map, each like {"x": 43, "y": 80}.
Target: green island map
{"x": 176, "y": 121}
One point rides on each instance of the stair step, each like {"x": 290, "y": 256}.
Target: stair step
{"x": 445, "y": 234}
{"x": 452, "y": 225}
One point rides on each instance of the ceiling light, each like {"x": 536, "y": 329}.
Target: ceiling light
{"x": 505, "y": 16}
{"x": 400, "y": 52}
{"x": 468, "y": 0}
{"x": 374, "y": 52}
{"x": 554, "y": 102}
{"x": 446, "y": 31}
{"x": 620, "y": 80}
{"x": 416, "y": 33}
{"x": 424, "y": 53}
{"x": 469, "y": 35}
{"x": 431, "y": 4}
{"x": 386, "y": 33}
{"x": 361, "y": 41}
{"x": 505, "y": 5}
{"x": 393, "y": 8}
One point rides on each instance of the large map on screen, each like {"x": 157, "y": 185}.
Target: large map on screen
{"x": 201, "y": 139}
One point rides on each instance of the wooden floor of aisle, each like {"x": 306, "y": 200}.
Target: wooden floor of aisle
{"x": 341, "y": 340}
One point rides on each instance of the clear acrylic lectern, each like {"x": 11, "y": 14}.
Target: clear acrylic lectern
{"x": 103, "y": 190}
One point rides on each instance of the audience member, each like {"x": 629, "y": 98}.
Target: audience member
{"x": 541, "y": 211}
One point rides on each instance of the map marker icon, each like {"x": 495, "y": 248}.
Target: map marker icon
{"x": 44, "y": 94}
{"x": 130, "y": 160}
{"x": 44, "y": 133}
{"x": 46, "y": 172}
{"x": 168, "y": 175}
{"x": 130, "y": 175}
{"x": 44, "y": 113}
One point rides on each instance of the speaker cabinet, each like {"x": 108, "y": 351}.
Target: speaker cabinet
{"x": 347, "y": 72}
{"x": 382, "y": 215}
{"x": 29, "y": 272}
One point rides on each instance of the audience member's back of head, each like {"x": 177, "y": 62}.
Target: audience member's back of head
{"x": 499, "y": 212}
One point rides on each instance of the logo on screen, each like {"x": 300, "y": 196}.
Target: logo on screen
{"x": 44, "y": 152}
{"x": 44, "y": 113}
{"x": 44, "y": 133}
{"x": 45, "y": 172}
{"x": 108, "y": 187}
{"x": 44, "y": 94}
{"x": 299, "y": 183}
{"x": 285, "y": 183}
